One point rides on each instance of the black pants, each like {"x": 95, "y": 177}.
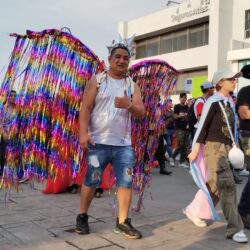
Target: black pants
{"x": 3, "y": 144}
{"x": 160, "y": 154}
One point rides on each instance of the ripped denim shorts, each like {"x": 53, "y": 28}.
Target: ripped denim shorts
{"x": 100, "y": 155}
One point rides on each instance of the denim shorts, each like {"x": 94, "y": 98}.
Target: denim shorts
{"x": 100, "y": 155}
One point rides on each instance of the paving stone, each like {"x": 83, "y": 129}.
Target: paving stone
{"x": 35, "y": 221}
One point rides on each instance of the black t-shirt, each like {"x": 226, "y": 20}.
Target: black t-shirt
{"x": 215, "y": 128}
{"x": 181, "y": 123}
{"x": 243, "y": 99}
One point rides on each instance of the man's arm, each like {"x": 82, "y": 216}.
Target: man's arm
{"x": 244, "y": 112}
{"x": 137, "y": 108}
{"x": 88, "y": 101}
{"x": 134, "y": 106}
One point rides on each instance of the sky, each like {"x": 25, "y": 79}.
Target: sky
{"x": 94, "y": 22}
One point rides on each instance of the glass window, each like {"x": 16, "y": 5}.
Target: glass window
{"x": 174, "y": 41}
{"x": 206, "y": 34}
{"x": 166, "y": 45}
{"x": 196, "y": 37}
{"x": 180, "y": 40}
{"x": 247, "y": 24}
{"x": 141, "y": 50}
{"x": 152, "y": 47}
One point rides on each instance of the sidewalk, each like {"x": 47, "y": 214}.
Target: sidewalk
{"x": 32, "y": 220}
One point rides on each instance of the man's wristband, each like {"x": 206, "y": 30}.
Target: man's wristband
{"x": 129, "y": 106}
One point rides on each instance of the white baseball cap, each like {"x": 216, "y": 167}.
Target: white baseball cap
{"x": 224, "y": 74}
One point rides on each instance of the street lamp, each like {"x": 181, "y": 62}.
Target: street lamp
{"x": 171, "y": 2}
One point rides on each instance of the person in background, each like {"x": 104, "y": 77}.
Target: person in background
{"x": 242, "y": 172}
{"x": 243, "y": 108}
{"x": 195, "y": 109}
{"x": 168, "y": 136}
{"x": 7, "y": 116}
{"x": 181, "y": 130}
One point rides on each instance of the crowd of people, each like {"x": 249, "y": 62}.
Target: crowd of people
{"x": 201, "y": 131}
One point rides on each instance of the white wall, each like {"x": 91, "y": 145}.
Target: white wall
{"x": 239, "y": 19}
{"x": 220, "y": 34}
{"x": 164, "y": 19}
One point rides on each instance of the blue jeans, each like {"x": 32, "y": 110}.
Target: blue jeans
{"x": 100, "y": 155}
{"x": 169, "y": 139}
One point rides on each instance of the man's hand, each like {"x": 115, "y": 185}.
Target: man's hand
{"x": 85, "y": 140}
{"x": 122, "y": 102}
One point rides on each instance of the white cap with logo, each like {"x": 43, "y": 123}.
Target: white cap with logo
{"x": 224, "y": 74}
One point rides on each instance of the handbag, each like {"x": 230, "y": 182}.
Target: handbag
{"x": 235, "y": 155}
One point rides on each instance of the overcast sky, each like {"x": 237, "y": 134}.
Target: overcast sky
{"x": 94, "y": 22}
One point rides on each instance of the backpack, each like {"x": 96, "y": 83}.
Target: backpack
{"x": 130, "y": 84}
{"x": 192, "y": 120}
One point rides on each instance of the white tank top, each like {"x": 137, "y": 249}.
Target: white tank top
{"x": 109, "y": 125}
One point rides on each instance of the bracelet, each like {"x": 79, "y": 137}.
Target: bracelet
{"x": 129, "y": 106}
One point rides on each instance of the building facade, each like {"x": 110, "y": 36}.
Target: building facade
{"x": 197, "y": 37}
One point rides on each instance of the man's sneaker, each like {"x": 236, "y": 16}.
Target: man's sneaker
{"x": 171, "y": 162}
{"x": 82, "y": 226}
{"x": 23, "y": 180}
{"x": 240, "y": 237}
{"x": 165, "y": 172}
{"x": 184, "y": 165}
{"x": 127, "y": 229}
{"x": 196, "y": 220}
{"x": 243, "y": 172}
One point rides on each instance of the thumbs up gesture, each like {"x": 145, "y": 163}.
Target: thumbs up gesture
{"x": 122, "y": 102}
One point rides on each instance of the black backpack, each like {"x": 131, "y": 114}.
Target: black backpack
{"x": 191, "y": 114}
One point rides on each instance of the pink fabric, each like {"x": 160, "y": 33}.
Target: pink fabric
{"x": 199, "y": 207}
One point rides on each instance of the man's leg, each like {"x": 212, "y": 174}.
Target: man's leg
{"x": 178, "y": 143}
{"x": 160, "y": 157}
{"x": 87, "y": 194}
{"x": 124, "y": 196}
{"x": 185, "y": 146}
{"x": 97, "y": 159}
{"x": 123, "y": 159}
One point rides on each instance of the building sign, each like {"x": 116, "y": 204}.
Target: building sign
{"x": 188, "y": 85}
{"x": 204, "y": 7}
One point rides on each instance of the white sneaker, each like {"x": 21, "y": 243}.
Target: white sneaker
{"x": 240, "y": 237}
{"x": 196, "y": 220}
{"x": 184, "y": 165}
{"x": 243, "y": 172}
{"x": 171, "y": 162}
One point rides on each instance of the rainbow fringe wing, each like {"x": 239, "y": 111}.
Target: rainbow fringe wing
{"x": 49, "y": 70}
{"x": 156, "y": 80}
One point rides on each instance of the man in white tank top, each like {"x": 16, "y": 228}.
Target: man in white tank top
{"x": 105, "y": 137}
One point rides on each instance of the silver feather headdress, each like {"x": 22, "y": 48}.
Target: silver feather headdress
{"x": 127, "y": 43}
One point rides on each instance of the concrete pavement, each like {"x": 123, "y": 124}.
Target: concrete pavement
{"x": 32, "y": 220}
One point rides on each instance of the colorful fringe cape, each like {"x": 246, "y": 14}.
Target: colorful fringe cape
{"x": 49, "y": 70}
{"x": 156, "y": 80}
